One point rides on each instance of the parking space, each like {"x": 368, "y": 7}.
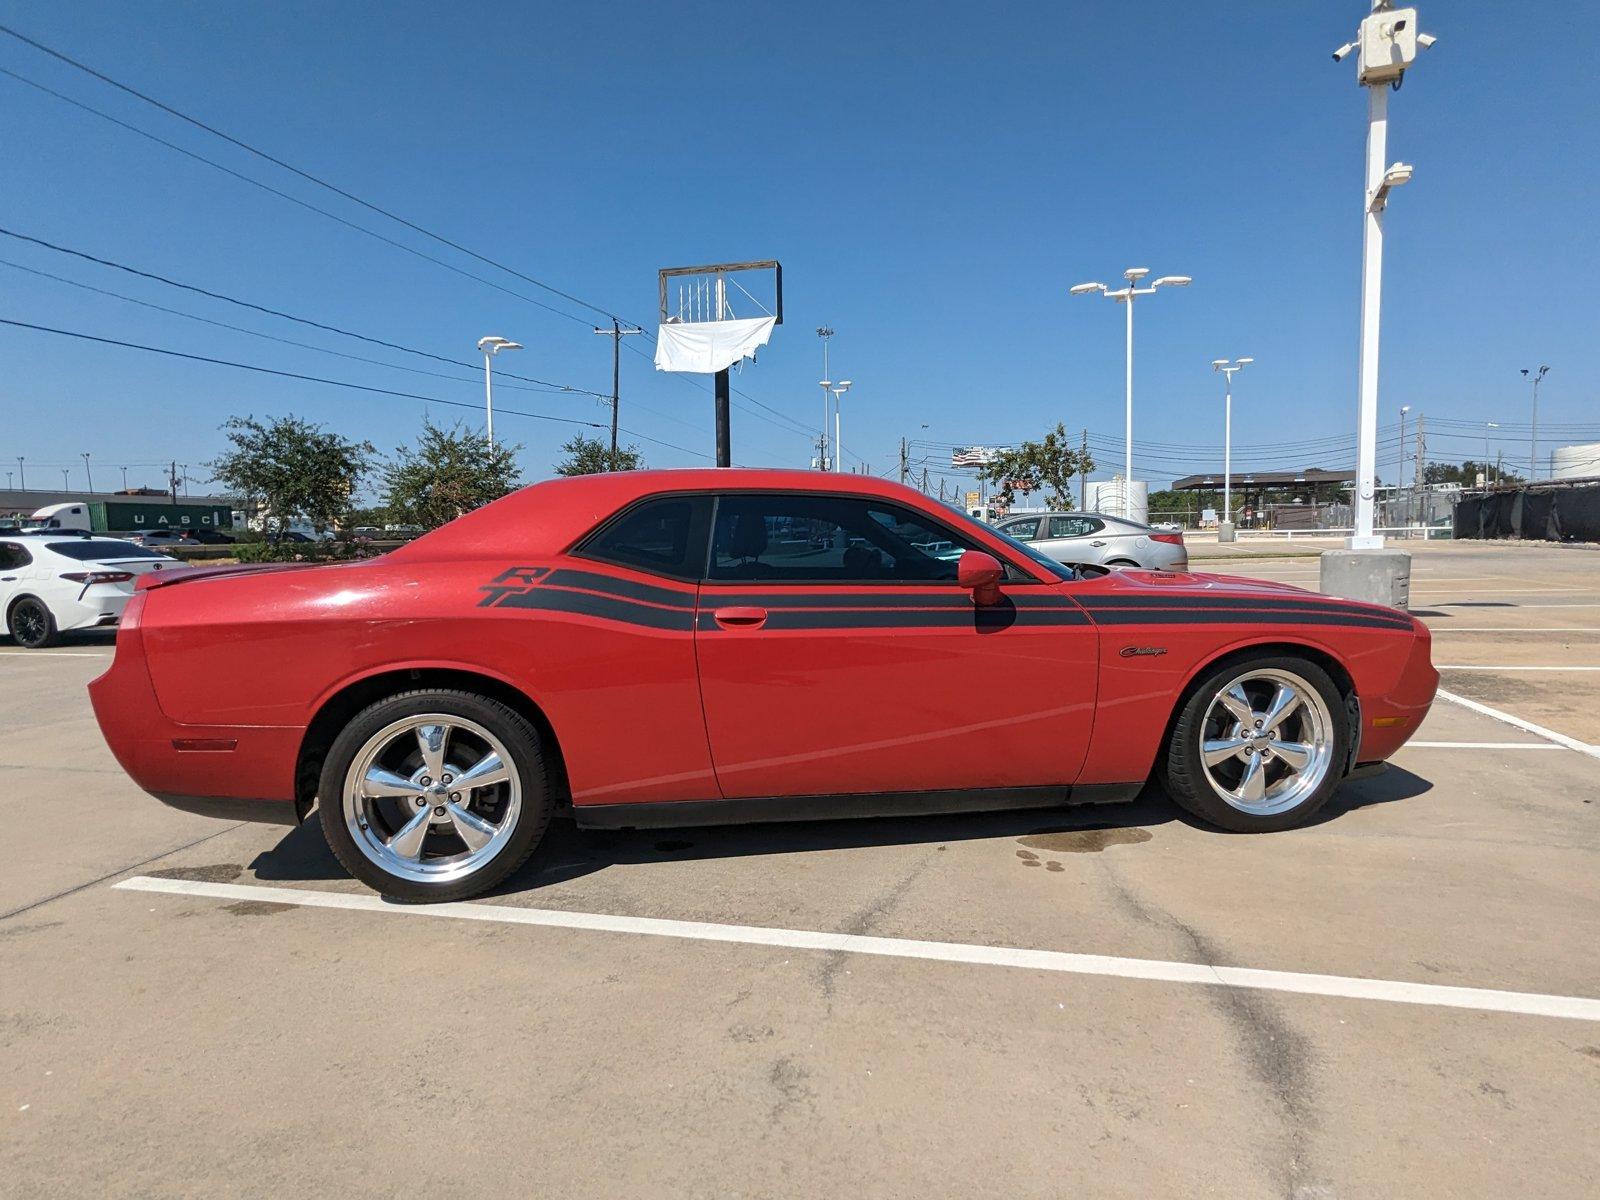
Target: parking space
{"x": 1401, "y": 999}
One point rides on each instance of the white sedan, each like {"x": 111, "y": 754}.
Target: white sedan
{"x": 54, "y": 583}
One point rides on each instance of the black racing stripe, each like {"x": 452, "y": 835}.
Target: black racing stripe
{"x": 1100, "y": 604}
{"x": 625, "y": 611}
{"x": 993, "y": 618}
{"x": 952, "y": 598}
{"x": 613, "y": 586}
{"x": 1218, "y": 617}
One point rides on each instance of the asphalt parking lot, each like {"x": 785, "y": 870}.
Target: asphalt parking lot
{"x": 1402, "y": 999}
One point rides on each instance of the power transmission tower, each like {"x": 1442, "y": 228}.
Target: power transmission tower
{"x": 616, "y": 333}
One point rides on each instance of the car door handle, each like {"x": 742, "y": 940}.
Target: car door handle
{"x": 1097, "y": 543}
{"x": 740, "y": 618}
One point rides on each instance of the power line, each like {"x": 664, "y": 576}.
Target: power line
{"x": 360, "y": 387}
{"x": 273, "y": 312}
{"x": 306, "y": 175}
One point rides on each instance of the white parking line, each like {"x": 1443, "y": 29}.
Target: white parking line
{"x": 1559, "y": 739}
{"x": 1482, "y": 746}
{"x": 1508, "y": 604}
{"x": 1438, "y": 629}
{"x": 1489, "y": 667}
{"x": 56, "y": 653}
{"x": 1580, "y": 1008}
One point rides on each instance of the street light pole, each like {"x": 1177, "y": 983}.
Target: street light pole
{"x": 22, "y": 475}
{"x": 86, "y": 473}
{"x": 1126, "y": 295}
{"x": 1488, "y": 425}
{"x": 838, "y": 390}
{"x": 1535, "y": 377}
{"x": 490, "y": 347}
{"x": 1225, "y": 526}
{"x": 1400, "y": 463}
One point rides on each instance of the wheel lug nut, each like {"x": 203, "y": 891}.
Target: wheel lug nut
{"x": 455, "y": 797}
{"x": 446, "y": 778}
{"x": 440, "y": 811}
{"x": 421, "y": 803}
{"x": 424, "y": 781}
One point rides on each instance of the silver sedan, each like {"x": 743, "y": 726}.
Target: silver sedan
{"x": 1094, "y": 538}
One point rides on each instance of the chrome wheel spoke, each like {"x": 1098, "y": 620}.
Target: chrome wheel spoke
{"x": 381, "y": 784}
{"x": 486, "y": 772}
{"x": 1252, "y": 787}
{"x": 432, "y": 741}
{"x": 1296, "y": 755}
{"x": 474, "y": 830}
{"x": 1284, "y": 702}
{"x": 1220, "y": 750}
{"x": 408, "y": 842}
{"x": 1237, "y": 703}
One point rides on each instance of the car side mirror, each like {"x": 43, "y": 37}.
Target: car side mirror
{"x": 980, "y": 574}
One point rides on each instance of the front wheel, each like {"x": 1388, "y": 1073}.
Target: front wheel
{"x": 434, "y": 795}
{"x": 33, "y": 626}
{"x": 1259, "y": 745}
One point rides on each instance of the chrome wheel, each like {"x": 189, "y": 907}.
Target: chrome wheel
{"x": 432, "y": 798}
{"x": 1267, "y": 742}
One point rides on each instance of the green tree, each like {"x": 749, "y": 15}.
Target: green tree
{"x": 1052, "y": 463}
{"x": 290, "y": 469}
{"x": 1466, "y": 474}
{"x": 450, "y": 472}
{"x": 591, "y": 456}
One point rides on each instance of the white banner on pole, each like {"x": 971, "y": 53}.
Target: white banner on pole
{"x": 706, "y": 347}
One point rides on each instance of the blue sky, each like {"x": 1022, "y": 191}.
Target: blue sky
{"x": 933, "y": 178}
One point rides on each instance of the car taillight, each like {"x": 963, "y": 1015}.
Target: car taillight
{"x": 98, "y": 576}
{"x": 1171, "y": 539}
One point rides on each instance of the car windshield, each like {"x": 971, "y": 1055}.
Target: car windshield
{"x": 1059, "y": 570}
{"x": 96, "y": 549}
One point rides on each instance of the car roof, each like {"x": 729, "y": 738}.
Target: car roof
{"x": 1098, "y": 516}
{"x": 547, "y": 517}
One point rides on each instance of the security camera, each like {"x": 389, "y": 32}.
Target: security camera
{"x": 1343, "y": 52}
{"x": 1425, "y": 40}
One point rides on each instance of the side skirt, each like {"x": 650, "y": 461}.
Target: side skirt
{"x": 827, "y": 808}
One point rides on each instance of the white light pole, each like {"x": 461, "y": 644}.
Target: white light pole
{"x": 490, "y": 347}
{"x": 87, "y": 474}
{"x": 1387, "y": 41}
{"x": 838, "y": 389}
{"x": 1534, "y": 377}
{"x": 1487, "y": 425}
{"x": 1126, "y": 295}
{"x": 824, "y": 332}
{"x": 1400, "y": 465}
{"x": 1225, "y": 526}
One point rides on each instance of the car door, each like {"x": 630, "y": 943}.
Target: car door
{"x": 15, "y": 565}
{"x": 1074, "y": 538}
{"x": 839, "y": 655}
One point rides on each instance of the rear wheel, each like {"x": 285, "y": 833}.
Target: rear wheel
{"x": 434, "y": 795}
{"x": 33, "y": 626}
{"x": 1259, "y": 745}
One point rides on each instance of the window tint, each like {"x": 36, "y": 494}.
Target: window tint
{"x": 1071, "y": 527}
{"x": 1023, "y": 531}
{"x": 665, "y": 536}
{"x": 13, "y": 556}
{"x": 830, "y": 539}
{"x": 94, "y": 549}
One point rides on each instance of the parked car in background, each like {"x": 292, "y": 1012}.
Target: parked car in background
{"x": 209, "y": 537}
{"x": 156, "y": 538}
{"x": 288, "y": 535}
{"x": 1098, "y": 540}
{"x": 643, "y": 648}
{"x": 53, "y": 583}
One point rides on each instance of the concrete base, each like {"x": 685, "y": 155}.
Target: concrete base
{"x": 1225, "y": 532}
{"x": 1376, "y": 576}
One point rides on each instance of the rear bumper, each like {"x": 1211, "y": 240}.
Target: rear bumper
{"x": 91, "y": 612}
{"x": 241, "y": 772}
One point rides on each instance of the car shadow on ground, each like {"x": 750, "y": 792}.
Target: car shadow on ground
{"x": 80, "y": 638}
{"x": 569, "y": 852}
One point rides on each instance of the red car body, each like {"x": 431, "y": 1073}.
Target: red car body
{"x": 662, "y": 697}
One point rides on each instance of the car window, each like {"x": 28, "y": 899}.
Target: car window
{"x": 93, "y": 549}
{"x": 13, "y": 556}
{"x": 665, "y": 535}
{"x": 1023, "y": 531}
{"x": 807, "y": 538}
{"x": 1071, "y": 527}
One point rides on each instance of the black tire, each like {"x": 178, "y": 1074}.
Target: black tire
{"x": 1183, "y": 773}
{"x": 521, "y": 742}
{"x": 32, "y": 624}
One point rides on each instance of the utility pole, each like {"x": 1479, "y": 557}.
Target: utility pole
{"x": 1534, "y": 377}
{"x": 124, "y": 478}
{"x": 185, "y": 468}
{"x": 1083, "y": 474}
{"x": 1400, "y": 466}
{"x": 616, "y": 333}
{"x": 824, "y": 332}
{"x": 86, "y": 472}
{"x": 65, "y": 485}
{"x": 22, "y": 475}
{"x": 924, "y": 481}
{"x": 1417, "y": 474}
{"x": 172, "y": 480}
{"x": 903, "y": 465}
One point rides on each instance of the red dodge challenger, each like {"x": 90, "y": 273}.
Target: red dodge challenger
{"x": 693, "y": 647}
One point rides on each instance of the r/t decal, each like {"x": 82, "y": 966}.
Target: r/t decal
{"x": 510, "y": 582}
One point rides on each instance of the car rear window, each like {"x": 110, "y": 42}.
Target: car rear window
{"x": 95, "y": 549}
{"x": 665, "y": 535}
